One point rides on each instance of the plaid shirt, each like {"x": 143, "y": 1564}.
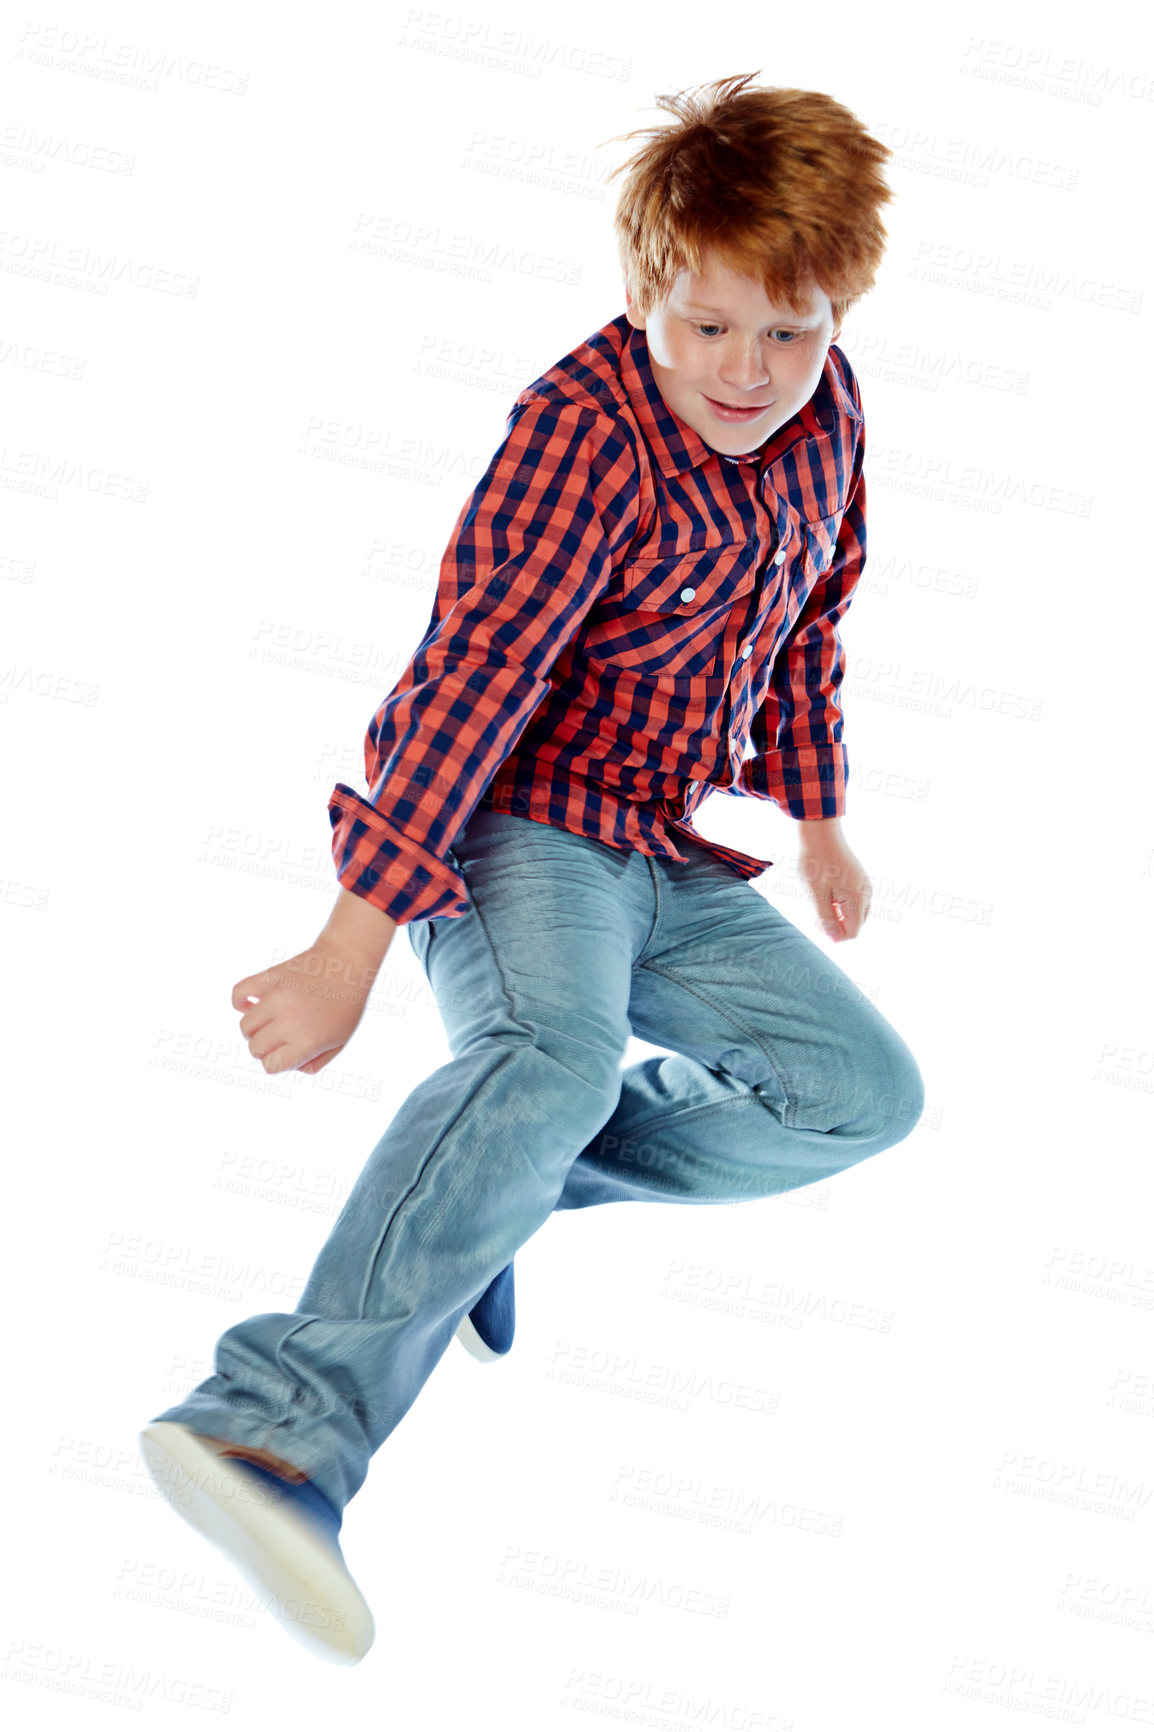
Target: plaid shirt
{"x": 625, "y": 620}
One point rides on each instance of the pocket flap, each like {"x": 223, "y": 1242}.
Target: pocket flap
{"x": 821, "y": 542}
{"x": 688, "y": 583}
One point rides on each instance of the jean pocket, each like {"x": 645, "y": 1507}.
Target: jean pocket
{"x": 485, "y": 830}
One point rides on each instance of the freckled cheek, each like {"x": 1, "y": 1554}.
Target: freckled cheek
{"x": 686, "y": 363}
{"x": 797, "y": 384}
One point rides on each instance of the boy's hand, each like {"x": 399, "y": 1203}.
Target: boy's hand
{"x": 306, "y": 1008}
{"x": 836, "y": 877}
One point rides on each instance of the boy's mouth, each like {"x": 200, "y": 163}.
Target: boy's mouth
{"x": 726, "y": 411}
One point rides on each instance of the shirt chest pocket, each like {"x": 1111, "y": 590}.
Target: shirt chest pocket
{"x": 690, "y": 583}
{"x": 668, "y": 617}
{"x": 816, "y": 551}
{"x": 820, "y": 540}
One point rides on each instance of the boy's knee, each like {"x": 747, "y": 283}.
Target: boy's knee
{"x": 900, "y": 1102}
{"x": 884, "y": 1101}
{"x": 582, "y": 1082}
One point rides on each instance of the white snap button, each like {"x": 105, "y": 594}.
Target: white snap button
{"x": 779, "y": 556}
{"x": 688, "y": 594}
{"x": 747, "y": 651}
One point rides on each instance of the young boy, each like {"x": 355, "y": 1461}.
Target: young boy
{"x": 638, "y": 605}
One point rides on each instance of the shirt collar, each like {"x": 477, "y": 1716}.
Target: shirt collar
{"x": 673, "y": 441}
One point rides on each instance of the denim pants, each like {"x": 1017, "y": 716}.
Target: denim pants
{"x": 779, "y": 1072}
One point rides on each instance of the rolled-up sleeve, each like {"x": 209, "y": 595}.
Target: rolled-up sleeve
{"x": 800, "y": 760}
{"x": 532, "y": 549}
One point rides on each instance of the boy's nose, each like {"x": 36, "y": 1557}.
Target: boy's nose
{"x": 745, "y": 377}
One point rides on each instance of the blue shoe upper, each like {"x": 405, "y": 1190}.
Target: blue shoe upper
{"x": 305, "y": 1497}
{"x": 493, "y": 1316}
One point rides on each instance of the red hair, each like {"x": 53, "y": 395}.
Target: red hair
{"x": 784, "y": 185}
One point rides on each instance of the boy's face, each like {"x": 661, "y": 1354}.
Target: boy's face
{"x": 717, "y": 341}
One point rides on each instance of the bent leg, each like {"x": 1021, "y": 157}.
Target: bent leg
{"x": 782, "y": 1071}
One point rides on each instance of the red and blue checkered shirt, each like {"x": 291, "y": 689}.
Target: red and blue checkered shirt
{"x": 625, "y": 620}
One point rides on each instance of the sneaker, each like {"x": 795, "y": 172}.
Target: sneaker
{"x": 280, "y": 1535}
{"x": 487, "y": 1330}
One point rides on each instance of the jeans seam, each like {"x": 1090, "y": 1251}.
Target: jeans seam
{"x": 688, "y": 1112}
{"x": 791, "y": 1100}
{"x": 378, "y": 1246}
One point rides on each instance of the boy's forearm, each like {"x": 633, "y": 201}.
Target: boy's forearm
{"x": 811, "y": 828}
{"x": 356, "y": 925}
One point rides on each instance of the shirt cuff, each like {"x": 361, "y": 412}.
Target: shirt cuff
{"x": 380, "y": 863}
{"x": 805, "y": 781}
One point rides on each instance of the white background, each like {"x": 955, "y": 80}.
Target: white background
{"x": 927, "y": 1383}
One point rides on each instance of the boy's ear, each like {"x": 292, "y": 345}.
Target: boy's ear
{"x": 636, "y": 319}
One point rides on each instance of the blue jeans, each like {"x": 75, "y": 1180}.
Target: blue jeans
{"x": 781, "y": 1072}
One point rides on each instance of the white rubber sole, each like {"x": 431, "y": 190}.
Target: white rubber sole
{"x": 278, "y": 1551}
{"x": 472, "y": 1343}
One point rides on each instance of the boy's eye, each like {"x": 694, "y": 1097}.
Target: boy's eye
{"x": 781, "y": 331}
